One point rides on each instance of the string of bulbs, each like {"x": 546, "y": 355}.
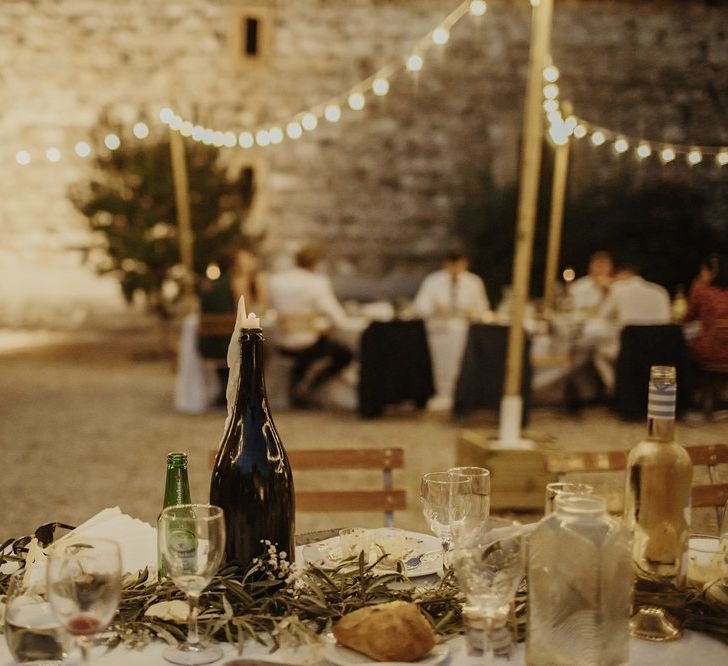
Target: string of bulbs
{"x": 560, "y": 129}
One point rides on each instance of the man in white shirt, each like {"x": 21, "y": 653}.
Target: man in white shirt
{"x": 632, "y": 300}
{"x": 588, "y": 292}
{"x": 306, "y": 307}
{"x": 453, "y": 291}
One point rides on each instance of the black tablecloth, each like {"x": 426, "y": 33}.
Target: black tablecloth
{"x": 395, "y": 366}
{"x": 482, "y": 371}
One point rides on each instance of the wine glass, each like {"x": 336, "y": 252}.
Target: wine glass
{"x": 84, "y": 586}
{"x": 476, "y": 518}
{"x": 444, "y": 498}
{"x": 192, "y": 544}
{"x": 489, "y": 572}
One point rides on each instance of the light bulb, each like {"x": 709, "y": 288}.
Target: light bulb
{"x": 53, "y": 155}
{"x": 332, "y": 113}
{"x": 478, "y": 7}
{"x": 176, "y": 123}
{"x": 212, "y": 272}
{"x": 667, "y": 155}
{"x": 380, "y": 87}
{"x": 569, "y": 274}
{"x": 621, "y": 146}
{"x": 208, "y": 136}
{"x": 414, "y": 63}
{"x": 551, "y": 91}
{"x": 218, "y": 139}
{"x": 558, "y": 134}
{"x": 262, "y": 138}
{"x": 246, "y": 140}
{"x": 356, "y": 101}
{"x": 597, "y": 138}
{"x": 643, "y": 151}
{"x": 722, "y": 158}
{"x": 550, "y": 105}
{"x": 82, "y": 149}
{"x": 166, "y": 115}
{"x": 309, "y": 121}
{"x": 141, "y": 131}
{"x": 551, "y": 74}
{"x": 294, "y": 130}
{"x": 186, "y": 128}
{"x": 694, "y": 157}
{"x": 198, "y": 132}
{"x": 111, "y": 141}
{"x": 580, "y": 131}
{"x": 22, "y": 157}
{"x": 275, "y": 134}
{"x": 570, "y": 124}
{"x": 229, "y": 139}
{"x": 440, "y": 35}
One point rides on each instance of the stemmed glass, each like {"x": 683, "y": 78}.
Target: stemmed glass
{"x": 475, "y": 521}
{"x": 192, "y": 544}
{"x": 489, "y": 572}
{"x": 444, "y": 498}
{"x": 84, "y": 586}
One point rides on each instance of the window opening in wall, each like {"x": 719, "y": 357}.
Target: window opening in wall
{"x": 247, "y": 185}
{"x": 250, "y": 35}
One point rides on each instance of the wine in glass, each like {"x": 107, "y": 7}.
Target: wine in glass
{"x": 32, "y": 631}
{"x": 471, "y": 527}
{"x": 192, "y": 544}
{"x": 84, "y": 586}
{"x": 444, "y": 504}
{"x": 489, "y": 572}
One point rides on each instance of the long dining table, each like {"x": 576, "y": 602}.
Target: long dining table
{"x": 692, "y": 649}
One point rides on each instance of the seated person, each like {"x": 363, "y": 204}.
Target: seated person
{"x": 588, "y": 292}
{"x": 632, "y": 300}
{"x": 301, "y": 296}
{"x": 238, "y": 277}
{"x": 453, "y": 291}
{"x": 707, "y": 303}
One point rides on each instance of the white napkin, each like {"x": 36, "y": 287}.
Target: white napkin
{"x": 233, "y": 360}
{"x": 137, "y": 539}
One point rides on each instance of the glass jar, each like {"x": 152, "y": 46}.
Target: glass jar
{"x": 579, "y": 586}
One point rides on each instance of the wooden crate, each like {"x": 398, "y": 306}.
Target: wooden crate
{"x": 518, "y": 477}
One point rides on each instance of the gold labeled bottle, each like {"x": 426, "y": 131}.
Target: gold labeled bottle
{"x": 251, "y": 479}
{"x": 657, "y": 494}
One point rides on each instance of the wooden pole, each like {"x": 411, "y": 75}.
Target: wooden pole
{"x": 182, "y": 201}
{"x": 511, "y": 406}
{"x": 556, "y": 219}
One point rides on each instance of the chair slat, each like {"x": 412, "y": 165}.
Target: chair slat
{"x": 709, "y": 454}
{"x": 715, "y": 495}
{"x": 216, "y": 324}
{"x": 351, "y": 500}
{"x": 305, "y": 459}
{"x": 566, "y": 462}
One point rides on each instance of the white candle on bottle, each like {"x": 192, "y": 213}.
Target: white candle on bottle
{"x": 251, "y": 321}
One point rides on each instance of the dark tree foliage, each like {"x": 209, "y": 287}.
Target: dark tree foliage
{"x": 660, "y": 227}
{"x": 129, "y": 203}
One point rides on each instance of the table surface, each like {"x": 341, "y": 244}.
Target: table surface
{"x": 693, "y": 648}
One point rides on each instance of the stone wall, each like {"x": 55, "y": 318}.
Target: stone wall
{"x": 380, "y": 188}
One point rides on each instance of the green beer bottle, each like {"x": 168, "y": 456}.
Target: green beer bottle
{"x": 176, "y": 491}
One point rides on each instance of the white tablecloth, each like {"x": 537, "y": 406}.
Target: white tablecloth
{"x": 692, "y": 650}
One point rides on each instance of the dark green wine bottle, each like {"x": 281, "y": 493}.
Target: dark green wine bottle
{"x": 176, "y": 491}
{"x": 252, "y": 479}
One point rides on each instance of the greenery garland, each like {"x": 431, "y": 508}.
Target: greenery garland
{"x": 277, "y": 603}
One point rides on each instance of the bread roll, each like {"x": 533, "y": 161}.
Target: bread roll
{"x": 395, "y": 631}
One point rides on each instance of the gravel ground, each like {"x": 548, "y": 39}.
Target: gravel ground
{"x": 86, "y": 424}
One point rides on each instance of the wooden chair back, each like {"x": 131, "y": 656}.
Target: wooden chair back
{"x": 710, "y": 455}
{"x": 216, "y": 324}
{"x": 388, "y": 500}
{"x": 718, "y": 343}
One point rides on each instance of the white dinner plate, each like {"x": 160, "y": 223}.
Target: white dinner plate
{"x": 342, "y": 656}
{"x": 327, "y": 553}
